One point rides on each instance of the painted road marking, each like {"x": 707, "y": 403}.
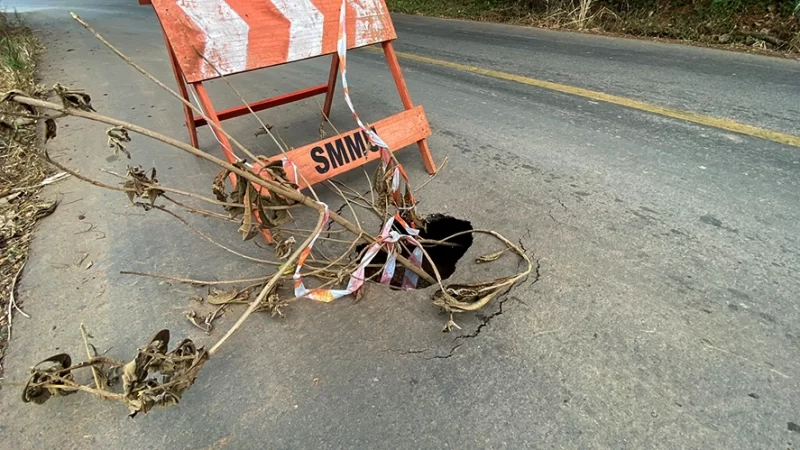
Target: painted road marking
{"x": 716, "y": 122}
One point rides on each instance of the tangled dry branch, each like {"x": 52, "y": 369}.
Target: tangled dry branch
{"x": 257, "y": 202}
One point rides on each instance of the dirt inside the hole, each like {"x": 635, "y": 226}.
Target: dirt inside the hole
{"x": 444, "y": 256}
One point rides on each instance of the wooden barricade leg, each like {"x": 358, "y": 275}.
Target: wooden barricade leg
{"x": 179, "y": 79}
{"x": 208, "y": 109}
{"x": 405, "y": 97}
{"x": 326, "y": 110}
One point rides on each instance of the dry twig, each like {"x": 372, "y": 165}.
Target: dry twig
{"x": 12, "y": 304}
{"x": 192, "y": 281}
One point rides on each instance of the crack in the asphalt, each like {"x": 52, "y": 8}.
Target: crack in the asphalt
{"x": 550, "y": 214}
{"x": 339, "y": 212}
{"x": 487, "y": 320}
{"x": 459, "y": 341}
{"x": 452, "y": 351}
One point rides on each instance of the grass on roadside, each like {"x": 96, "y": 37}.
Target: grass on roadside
{"x": 21, "y": 169}
{"x": 759, "y": 24}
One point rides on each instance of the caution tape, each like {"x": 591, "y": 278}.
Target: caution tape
{"x": 389, "y": 237}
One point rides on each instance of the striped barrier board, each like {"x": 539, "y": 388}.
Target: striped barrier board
{"x": 236, "y": 36}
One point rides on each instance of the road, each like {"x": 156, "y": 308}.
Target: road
{"x": 664, "y": 315}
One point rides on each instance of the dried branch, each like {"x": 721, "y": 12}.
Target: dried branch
{"x": 209, "y": 239}
{"x": 89, "y": 354}
{"x": 72, "y": 385}
{"x": 268, "y": 288}
{"x": 204, "y": 212}
{"x": 473, "y": 296}
{"x": 12, "y": 304}
{"x": 119, "y": 188}
{"x": 155, "y": 80}
{"x": 272, "y": 186}
{"x": 192, "y": 281}
{"x": 432, "y": 176}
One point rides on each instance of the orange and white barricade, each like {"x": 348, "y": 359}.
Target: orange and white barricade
{"x": 209, "y": 38}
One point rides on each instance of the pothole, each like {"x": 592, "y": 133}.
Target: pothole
{"x": 445, "y": 256}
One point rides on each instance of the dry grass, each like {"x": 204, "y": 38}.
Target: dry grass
{"x": 756, "y": 27}
{"x": 21, "y": 170}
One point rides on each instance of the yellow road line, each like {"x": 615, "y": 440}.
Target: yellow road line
{"x": 716, "y": 122}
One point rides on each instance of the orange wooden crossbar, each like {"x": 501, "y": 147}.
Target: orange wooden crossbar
{"x": 325, "y": 159}
{"x": 266, "y": 104}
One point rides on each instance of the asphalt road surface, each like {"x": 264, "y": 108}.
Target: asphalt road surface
{"x": 664, "y": 314}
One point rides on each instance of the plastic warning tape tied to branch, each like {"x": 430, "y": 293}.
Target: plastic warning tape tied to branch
{"x": 386, "y": 155}
{"x": 389, "y": 237}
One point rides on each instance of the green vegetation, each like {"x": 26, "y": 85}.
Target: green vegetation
{"x": 18, "y": 49}
{"x": 760, "y": 24}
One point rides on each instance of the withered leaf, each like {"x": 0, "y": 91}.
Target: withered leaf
{"x": 117, "y": 136}
{"x": 254, "y": 199}
{"x": 48, "y": 372}
{"x": 72, "y": 98}
{"x": 192, "y": 316}
{"x": 237, "y": 196}
{"x": 140, "y": 185}
{"x": 220, "y": 297}
{"x": 50, "y": 130}
{"x": 174, "y": 373}
{"x": 284, "y": 248}
{"x": 45, "y": 209}
{"x": 409, "y": 210}
{"x": 129, "y": 377}
{"x": 359, "y": 292}
{"x": 469, "y": 296}
{"x": 113, "y": 375}
{"x": 490, "y": 257}
{"x": 273, "y": 304}
{"x": 218, "y": 187}
{"x": 246, "y": 229}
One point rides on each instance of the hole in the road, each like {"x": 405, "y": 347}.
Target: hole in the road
{"x": 444, "y": 256}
